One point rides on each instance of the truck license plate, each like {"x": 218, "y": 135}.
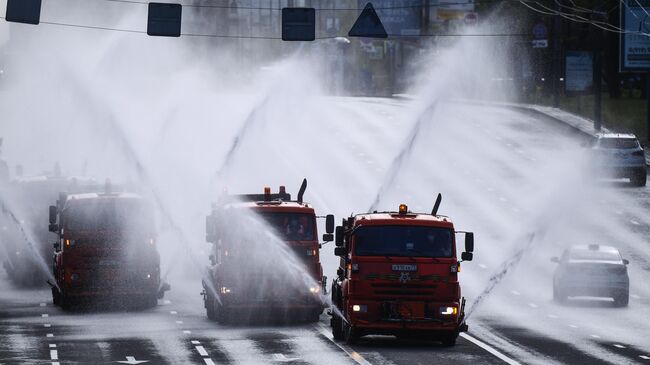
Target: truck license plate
{"x": 405, "y": 267}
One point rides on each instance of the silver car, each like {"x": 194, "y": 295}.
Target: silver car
{"x": 621, "y": 155}
{"x": 591, "y": 271}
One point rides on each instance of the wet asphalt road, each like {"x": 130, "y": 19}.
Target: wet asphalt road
{"x": 32, "y": 331}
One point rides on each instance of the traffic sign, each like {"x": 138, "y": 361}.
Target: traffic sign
{"x": 540, "y": 43}
{"x": 540, "y": 31}
{"x": 164, "y": 20}
{"x": 298, "y": 24}
{"x": 368, "y": 25}
{"x": 23, "y": 11}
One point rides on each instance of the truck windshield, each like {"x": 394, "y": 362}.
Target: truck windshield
{"x": 109, "y": 215}
{"x": 411, "y": 241}
{"x": 292, "y": 226}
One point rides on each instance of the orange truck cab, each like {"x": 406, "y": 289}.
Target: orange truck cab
{"x": 105, "y": 250}
{"x": 399, "y": 276}
{"x": 245, "y": 278}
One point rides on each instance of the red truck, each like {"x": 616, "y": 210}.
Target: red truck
{"x": 247, "y": 277}
{"x": 399, "y": 276}
{"x": 105, "y": 250}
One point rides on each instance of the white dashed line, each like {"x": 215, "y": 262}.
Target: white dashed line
{"x": 595, "y": 336}
{"x": 573, "y": 326}
{"x": 514, "y": 292}
{"x": 349, "y": 351}
{"x": 166, "y": 301}
{"x": 619, "y": 212}
{"x": 209, "y": 362}
{"x": 489, "y": 349}
{"x": 636, "y": 223}
{"x": 187, "y": 332}
{"x": 482, "y": 266}
{"x": 532, "y": 305}
{"x": 552, "y": 316}
{"x": 47, "y": 325}
{"x": 49, "y": 335}
{"x": 194, "y": 342}
{"x": 42, "y": 304}
{"x": 54, "y": 354}
{"x": 201, "y": 351}
{"x": 45, "y": 315}
{"x": 173, "y": 312}
{"x": 644, "y": 357}
{"x": 635, "y": 296}
{"x": 179, "y": 322}
{"x": 619, "y": 346}
{"x": 55, "y": 363}
{"x": 52, "y": 346}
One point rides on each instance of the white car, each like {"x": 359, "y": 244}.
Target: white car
{"x": 621, "y": 156}
{"x": 591, "y": 271}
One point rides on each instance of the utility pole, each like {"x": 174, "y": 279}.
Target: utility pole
{"x": 556, "y": 57}
{"x": 597, "y": 73}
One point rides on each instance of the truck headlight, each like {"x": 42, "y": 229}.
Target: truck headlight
{"x": 314, "y": 289}
{"x": 74, "y": 277}
{"x": 361, "y": 308}
{"x": 224, "y": 290}
{"x": 448, "y": 311}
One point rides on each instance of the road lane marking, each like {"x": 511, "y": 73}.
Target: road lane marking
{"x": 187, "y": 332}
{"x": 209, "y": 362}
{"x": 47, "y": 325}
{"x": 195, "y": 342}
{"x": 349, "y": 351}
{"x": 179, "y": 322}
{"x": 52, "y": 346}
{"x": 635, "y": 296}
{"x": 636, "y": 223}
{"x": 173, "y": 312}
{"x": 45, "y": 315}
{"x": 482, "y": 266}
{"x": 489, "y": 349}
{"x": 573, "y": 326}
{"x": 552, "y": 316}
{"x": 532, "y": 305}
{"x": 201, "y": 351}
{"x": 49, "y": 335}
{"x": 595, "y": 336}
{"x": 42, "y": 304}
{"x": 619, "y": 346}
{"x": 514, "y": 292}
{"x": 644, "y": 357}
{"x": 54, "y": 354}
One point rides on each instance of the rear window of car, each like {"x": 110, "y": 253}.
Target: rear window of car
{"x": 618, "y": 143}
{"x": 594, "y": 255}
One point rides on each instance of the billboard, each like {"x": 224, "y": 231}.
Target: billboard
{"x": 579, "y": 72}
{"x": 635, "y": 41}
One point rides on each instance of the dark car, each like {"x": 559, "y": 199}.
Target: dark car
{"x": 592, "y": 271}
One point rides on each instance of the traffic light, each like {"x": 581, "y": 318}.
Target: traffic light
{"x": 164, "y": 20}
{"x": 23, "y": 11}
{"x": 298, "y": 24}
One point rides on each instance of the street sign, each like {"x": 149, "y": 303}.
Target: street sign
{"x": 298, "y": 24}
{"x": 579, "y": 72}
{"x": 164, "y": 20}
{"x": 540, "y": 36}
{"x": 368, "y": 25}
{"x": 23, "y": 11}
{"x": 635, "y": 41}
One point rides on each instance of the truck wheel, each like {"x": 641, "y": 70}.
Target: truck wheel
{"x": 449, "y": 340}
{"x": 56, "y": 298}
{"x": 639, "y": 178}
{"x": 337, "y": 331}
{"x": 622, "y": 299}
{"x": 210, "y": 303}
{"x": 350, "y": 334}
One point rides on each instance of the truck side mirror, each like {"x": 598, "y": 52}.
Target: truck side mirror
{"x": 555, "y": 259}
{"x": 324, "y": 285}
{"x": 626, "y": 262}
{"x": 467, "y": 256}
{"x": 209, "y": 229}
{"x": 328, "y": 237}
{"x": 340, "y": 251}
{"x": 57, "y": 246}
{"x": 329, "y": 223}
{"x": 53, "y": 227}
{"x": 339, "y": 236}
{"x": 469, "y": 242}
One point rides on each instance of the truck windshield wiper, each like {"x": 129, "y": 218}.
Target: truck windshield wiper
{"x": 425, "y": 255}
